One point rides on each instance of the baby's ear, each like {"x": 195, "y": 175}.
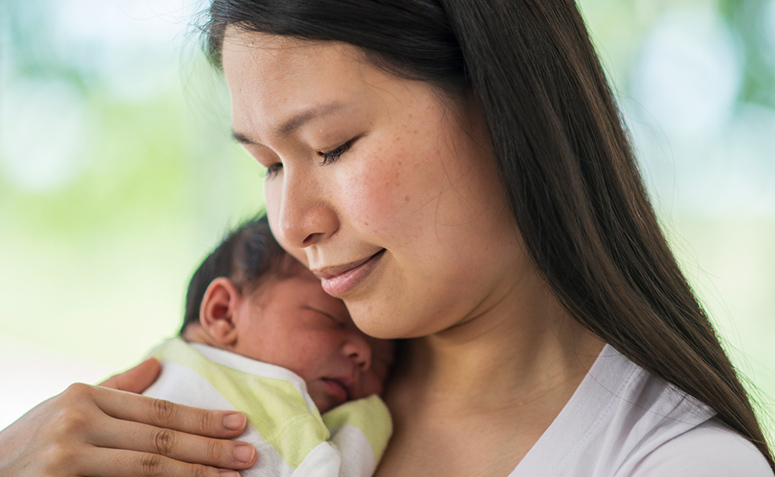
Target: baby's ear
{"x": 219, "y": 306}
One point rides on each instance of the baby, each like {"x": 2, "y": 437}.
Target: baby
{"x": 261, "y": 336}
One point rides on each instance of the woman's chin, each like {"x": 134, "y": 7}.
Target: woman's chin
{"x": 387, "y": 325}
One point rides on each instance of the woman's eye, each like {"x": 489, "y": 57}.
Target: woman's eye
{"x": 273, "y": 170}
{"x": 331, "y": 156}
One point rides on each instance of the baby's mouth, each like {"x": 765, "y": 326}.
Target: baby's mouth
{"x": 338, "y": 389}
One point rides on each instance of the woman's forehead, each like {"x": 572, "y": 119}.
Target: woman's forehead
{"x": 275, "y": 81}
{"x": 269, "y": 58}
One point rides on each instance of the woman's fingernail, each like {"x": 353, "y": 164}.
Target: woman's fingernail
{"x": 234, "y": 422}
{"x": 228, "y": 473}
{"x": 244, "y": 453}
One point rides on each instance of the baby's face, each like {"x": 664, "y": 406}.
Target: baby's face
{"x": 293, "y": 323}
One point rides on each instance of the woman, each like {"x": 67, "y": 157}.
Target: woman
{"x": 457, "y": 172}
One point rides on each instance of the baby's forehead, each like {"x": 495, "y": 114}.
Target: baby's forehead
{"x": 289, "y": 272}
{"x": 282, "y": 268}
{"x": 288, "y": 267}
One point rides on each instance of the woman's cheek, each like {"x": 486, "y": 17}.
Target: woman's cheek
{"x": 393, "y": 180}
{"x": 368, "y": 193}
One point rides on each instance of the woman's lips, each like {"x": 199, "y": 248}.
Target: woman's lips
{"x": 339, "y": 280}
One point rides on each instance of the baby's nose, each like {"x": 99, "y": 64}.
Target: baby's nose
{"x": 359, "y": 350}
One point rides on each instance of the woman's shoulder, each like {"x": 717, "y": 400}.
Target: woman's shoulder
{"x": 664, "y": 432}
{"x": 623, "y": 421}
{"x": 710, "y": 449}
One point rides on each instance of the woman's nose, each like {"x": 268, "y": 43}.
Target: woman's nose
{"x": 358, "y": 349}
{"x": 306, "y": 216}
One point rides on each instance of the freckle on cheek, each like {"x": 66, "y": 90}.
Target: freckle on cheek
{"x": 406, "y": 198}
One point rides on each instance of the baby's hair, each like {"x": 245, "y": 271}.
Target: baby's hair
{"x": 246, "y": 255}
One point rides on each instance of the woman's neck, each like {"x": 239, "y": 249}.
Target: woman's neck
{"x": 488, "y": 387}
{"x": 526, "y": 348}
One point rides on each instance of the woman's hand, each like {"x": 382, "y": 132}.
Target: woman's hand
{"x": 99, "y": 431}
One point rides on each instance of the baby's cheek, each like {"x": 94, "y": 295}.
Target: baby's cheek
{"x": 370, "y": 384}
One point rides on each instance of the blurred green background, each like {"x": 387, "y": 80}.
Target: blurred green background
{"x": 117, "y": 173}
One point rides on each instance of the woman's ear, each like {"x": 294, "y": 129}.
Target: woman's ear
{"x": 219, "y": 310}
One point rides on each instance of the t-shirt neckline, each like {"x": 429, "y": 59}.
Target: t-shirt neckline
{"x": 585, "y": 410}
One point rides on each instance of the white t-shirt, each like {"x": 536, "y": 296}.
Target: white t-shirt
{"x": 623, "y": 421}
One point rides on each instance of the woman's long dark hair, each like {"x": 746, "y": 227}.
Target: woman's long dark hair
{"x": 565, "y": 160}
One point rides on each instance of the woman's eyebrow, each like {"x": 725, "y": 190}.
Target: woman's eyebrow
{"x": 296, "y": 121}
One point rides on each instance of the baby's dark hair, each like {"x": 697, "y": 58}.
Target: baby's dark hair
{"x": 246, "y": 255}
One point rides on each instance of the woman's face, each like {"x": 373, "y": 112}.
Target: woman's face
{"x": 385, "y": 190}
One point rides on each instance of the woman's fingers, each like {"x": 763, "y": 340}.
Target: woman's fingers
{"x": 179, "y": 446}
{"x": 137, "y": 379}
{"x": 69, "y": 459}
{"x": 163, "y": 428}
{"x": 85, "y": 429}
{"x": 162, "y": 414}
{"x": 121, "y": 463}
{"x": 112, "y": 419}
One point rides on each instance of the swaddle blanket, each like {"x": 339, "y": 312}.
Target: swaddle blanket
{"x": 290, "y": 435}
